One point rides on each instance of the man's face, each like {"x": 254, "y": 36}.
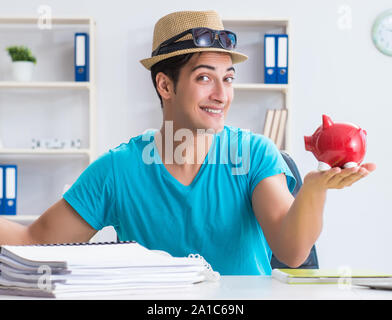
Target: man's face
{"x": 204, "y": 92}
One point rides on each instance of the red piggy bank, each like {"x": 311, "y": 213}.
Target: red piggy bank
{"x": 337, "y": 144}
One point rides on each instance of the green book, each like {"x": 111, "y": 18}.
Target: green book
{"x": 328, "y": 276}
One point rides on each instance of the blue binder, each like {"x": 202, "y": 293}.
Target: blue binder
{"x": 282, "y": 58}
{"x": 9, "y": 189}
{"x": 81, "y": 56}
{"x": 270, "y": 52}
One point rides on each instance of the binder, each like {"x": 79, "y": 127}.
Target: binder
{"x": 9, "y": 189}
{"x": 282, "y": 58}
{"x": 270, "y": 69}
{"x": 81, "y": 58}
{"x": 1, "y": 189}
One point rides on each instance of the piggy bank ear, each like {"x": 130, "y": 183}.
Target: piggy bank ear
{"x": 327, "y": 122}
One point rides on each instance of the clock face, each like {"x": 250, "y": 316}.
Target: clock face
{"x": 382, "y": 32}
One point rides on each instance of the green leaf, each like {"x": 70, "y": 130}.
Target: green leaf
{"x": 21, "y": 53}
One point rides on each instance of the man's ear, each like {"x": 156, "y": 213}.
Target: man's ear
{"x": 164, "y": 85}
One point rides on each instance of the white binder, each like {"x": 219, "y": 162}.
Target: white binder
{"x": 270, "y": 73}
{"x": 9, "y": 185}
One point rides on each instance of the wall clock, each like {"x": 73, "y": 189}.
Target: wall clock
{"x": 382, "y": 32}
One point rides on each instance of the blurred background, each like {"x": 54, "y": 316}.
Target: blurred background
{"x": 334, "y": 69}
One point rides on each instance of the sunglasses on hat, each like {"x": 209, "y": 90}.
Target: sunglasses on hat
{"x": 202, "y": 37}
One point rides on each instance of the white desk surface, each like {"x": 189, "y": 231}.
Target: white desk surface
{"x": 255, "y": 288}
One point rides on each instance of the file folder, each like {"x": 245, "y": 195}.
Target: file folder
{"x": 282, "y": 58}
{"x": 81, "y": 57}
{"x": 1, "y": 189}
{"x": 270, "y": 70}
{"x": 9, "y": 189}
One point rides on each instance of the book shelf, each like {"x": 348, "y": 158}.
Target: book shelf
{"x": 253, "y": 97}
{"x": 15, "y": 151}
{"x": 52, "y": 104}
{"x": 46, "y": 85}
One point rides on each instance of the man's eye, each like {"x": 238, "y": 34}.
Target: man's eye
{"x": 204, "y": 78}
{"x": 230, "y": 79}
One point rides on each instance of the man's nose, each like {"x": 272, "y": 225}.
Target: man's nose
{"x": 219, "y": 93}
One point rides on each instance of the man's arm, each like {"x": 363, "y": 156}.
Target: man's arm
{"x": 59, "y": 224}
{"x": 291, "y": 226}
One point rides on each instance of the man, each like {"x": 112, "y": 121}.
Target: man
{"x": 196, "y": 185}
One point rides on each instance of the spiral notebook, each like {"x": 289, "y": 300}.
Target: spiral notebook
{"x": 96, "y": 269}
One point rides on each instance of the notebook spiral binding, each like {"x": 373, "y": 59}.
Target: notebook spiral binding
{"x": 209, "y": 273}
{"x": 81, "y": 243}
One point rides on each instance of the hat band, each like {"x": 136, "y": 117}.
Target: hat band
{"x": 181, "y": 45}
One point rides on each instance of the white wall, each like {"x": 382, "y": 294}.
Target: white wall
{"x": 335, "y": 71}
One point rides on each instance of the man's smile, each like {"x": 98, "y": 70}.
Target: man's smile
{"x": 213, "y": 111}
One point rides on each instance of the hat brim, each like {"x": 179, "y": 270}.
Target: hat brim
{"x": 235, "y": 56}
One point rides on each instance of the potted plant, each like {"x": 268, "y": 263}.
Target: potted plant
{"x": 22, "y": 62}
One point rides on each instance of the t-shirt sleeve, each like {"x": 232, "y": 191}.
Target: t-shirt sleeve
{"x": 266, "y": 161}
{"x": 92, "y": 195}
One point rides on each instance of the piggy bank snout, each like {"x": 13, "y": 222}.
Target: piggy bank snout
{"x": 308, "y": 143}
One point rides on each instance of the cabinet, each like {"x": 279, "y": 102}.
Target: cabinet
{"x": 53, "y": 105}
{"x": 252, "y": 97}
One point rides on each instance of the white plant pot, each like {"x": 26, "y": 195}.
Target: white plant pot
{"x": 22, "y": 70}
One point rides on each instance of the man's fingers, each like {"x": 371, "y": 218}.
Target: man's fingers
{"x": 331, "y": 173}
{"x": 339, "y": 176}
{"x": 348, "y": 181}
{"x": 369, "y": 166}
{"x": 348, "y": 177}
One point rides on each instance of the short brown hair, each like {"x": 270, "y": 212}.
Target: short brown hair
{"x": 170, "y": 67}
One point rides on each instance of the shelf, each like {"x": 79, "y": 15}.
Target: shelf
{"x": 45, "y": 85}
{"x": 21, "y": 218}
{"x": 261, "y": 87}
{"x": 250, "y": 90}
{"x": 257, "y": 22}
{"x": 44, "y": 151}
{"x": 42, "y": 171}
{"x": 57, "y": 20}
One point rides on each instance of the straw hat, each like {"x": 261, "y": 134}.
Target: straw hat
{"x": 177, "y": 22}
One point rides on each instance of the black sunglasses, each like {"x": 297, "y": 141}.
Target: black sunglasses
{"x": 202, "y": 37}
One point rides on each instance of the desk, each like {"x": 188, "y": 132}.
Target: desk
{"x": 264, "y": 287}
{"x": 256, "y": 288}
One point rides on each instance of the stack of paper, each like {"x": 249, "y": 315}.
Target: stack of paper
{"x": 96, "y": 269}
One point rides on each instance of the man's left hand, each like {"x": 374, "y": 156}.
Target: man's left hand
{"x": 337, "y": 178}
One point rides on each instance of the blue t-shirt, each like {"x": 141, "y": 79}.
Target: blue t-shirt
{"x": 130, "y": 189}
